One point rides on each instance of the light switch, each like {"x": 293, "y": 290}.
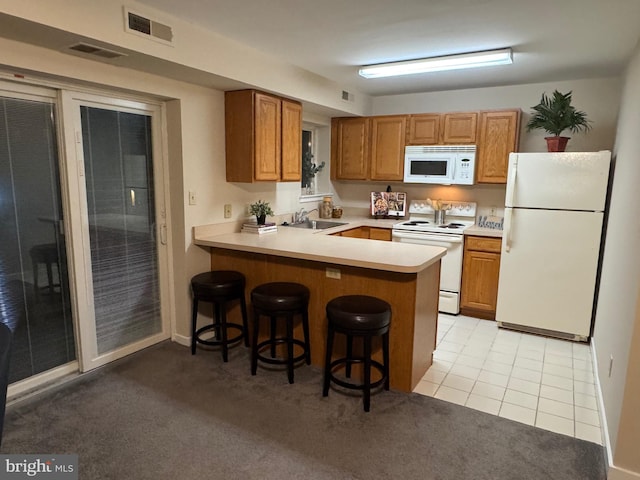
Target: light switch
{"x": 192, "y": 197}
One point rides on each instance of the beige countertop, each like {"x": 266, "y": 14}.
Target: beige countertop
{"x": 483, "y": 232}
{"x": 321, "y": 246}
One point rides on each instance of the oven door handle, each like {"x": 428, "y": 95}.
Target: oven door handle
{"x": 428, "y": 237}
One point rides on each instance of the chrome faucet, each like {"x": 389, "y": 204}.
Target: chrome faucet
{"x": 302, "y": 216}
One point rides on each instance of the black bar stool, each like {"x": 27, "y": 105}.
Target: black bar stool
{"x": 219, "y": 287}
{"x": 364, "y": 317}
{"x": 280, "y": 300}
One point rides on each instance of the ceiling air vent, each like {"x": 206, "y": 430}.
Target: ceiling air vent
{"x": 136, "y": 23}
{"x": 96, "y": 51}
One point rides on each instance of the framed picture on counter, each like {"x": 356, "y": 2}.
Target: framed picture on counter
{"x": 388, "y": 204}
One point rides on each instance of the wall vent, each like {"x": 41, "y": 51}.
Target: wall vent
{"x": 141, "y": 25}
{"x": 96, "y": 51}
{"x": 347, "y": 97}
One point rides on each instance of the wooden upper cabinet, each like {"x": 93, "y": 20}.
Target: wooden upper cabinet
{"x": 263, "y": 135}
{"x": 424, "y": 129}
{"x": 498, "y": 136}
{"x": 459, "y": 128}
{"x": 350, "y": 148}
{"x": 291, "y": 141}
{"x": 268, "y": 137}
{"x": 388, "y": 134}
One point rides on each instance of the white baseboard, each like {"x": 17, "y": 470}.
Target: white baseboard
{"x": 614, "y": 472}
{"x": 181, "y": 340}
{"x": 601, "y": 410}
{"x": 617, "y": 473}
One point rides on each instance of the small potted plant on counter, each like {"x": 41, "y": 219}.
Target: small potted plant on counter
{"x": 260, "y": 209}
{"x": 554, "y": 115}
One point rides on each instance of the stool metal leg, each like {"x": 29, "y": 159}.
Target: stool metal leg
{"x": 385, "y": 359}
{"x": 367, "y": 372}
{"x": 194, "y": 319}
{"x": 273, "y": 337}
{"x": 216, "y": 320}
{"x": 305, "y": 328}
{"x": 290, "y": 348}
{"x": 245, "y": 321}
{"x": 254, "y": 343}
{"x": 327, "y": 362}
{"x": 349, "y": 355}
{"x": 222, "y": 321}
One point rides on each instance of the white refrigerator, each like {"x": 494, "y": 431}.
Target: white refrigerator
{"x": 554, "y": 210}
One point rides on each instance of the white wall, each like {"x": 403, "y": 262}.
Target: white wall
{"x": 617, "y": 312}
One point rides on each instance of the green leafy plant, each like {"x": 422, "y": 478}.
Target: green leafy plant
{"x": 555, "y": 114}
{"x": 309, "y": 169}
{"x": 260, "y": 209}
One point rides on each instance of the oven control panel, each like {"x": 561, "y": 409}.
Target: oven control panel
{"x": 453, "y": 208}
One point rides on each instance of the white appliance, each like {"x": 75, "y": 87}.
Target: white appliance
{"x": 554, "y": 210}
{"x": 422, "y": 229}
{"x": 440, "y": 164}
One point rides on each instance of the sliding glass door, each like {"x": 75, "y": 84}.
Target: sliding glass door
{"x": 34, "y": 282}
{"x": 120, "y": 223}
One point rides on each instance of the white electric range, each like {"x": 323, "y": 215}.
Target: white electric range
{"x": 422, "y": 228}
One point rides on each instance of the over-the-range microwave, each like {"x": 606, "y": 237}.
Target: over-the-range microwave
{"x": 440, "y": 164}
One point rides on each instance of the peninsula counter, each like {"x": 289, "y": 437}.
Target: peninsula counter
{"x": 407, "y": 276}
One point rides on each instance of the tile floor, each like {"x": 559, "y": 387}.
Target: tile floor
{"x": 544, "y": 382}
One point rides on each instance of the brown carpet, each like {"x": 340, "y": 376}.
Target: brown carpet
{"x": 164, "y": 414}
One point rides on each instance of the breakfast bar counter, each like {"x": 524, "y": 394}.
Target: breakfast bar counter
{"x": 406, "y": 276}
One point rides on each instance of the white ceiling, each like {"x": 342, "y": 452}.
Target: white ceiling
{"x": 551, "y": 39}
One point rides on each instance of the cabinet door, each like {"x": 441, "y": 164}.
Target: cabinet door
{"x": 388, "y": 135}
{"x": 380, "y": 234}
{"x": 350, "y": 148}
{"x": 424, "y": 129}
{"x": 291, "y": 169}
{"x": 460, "y": 128}
{"x": 498, "y": 137}
{"x": 268, "y": 148}
{"x": 359, "y": 232}
{"x": 480, "y": 273}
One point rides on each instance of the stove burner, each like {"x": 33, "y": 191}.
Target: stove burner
{"x": 452, "y": 225}
{"x": 416, "y": 222}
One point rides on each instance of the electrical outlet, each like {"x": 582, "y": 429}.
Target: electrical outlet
{"x": 248, "y": 212}
{"x": 333, "y": 273}
{"x": 192, "y": 197}
{"x": 227, "y": 210}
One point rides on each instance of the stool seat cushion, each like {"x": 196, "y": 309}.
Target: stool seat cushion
{"x": 280, "y": 296}
{"x": 217, "y": 283}
{"x": 359, "y": 312}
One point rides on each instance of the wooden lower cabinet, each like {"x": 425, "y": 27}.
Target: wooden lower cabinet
{"x": 413, "y": 298}
{"x": 371, "y": 233}
{"x": 480, "y": 271}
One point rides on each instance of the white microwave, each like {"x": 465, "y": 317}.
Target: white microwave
{"x": 440, "y": 164}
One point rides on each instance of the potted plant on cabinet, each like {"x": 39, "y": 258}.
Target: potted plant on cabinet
{"x": 260, "y": 209}
{"x": 554, "y": 115}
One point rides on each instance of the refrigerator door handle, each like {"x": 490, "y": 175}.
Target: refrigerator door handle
{"x": 511, "y": 183}
{"x": 508, "y": 214}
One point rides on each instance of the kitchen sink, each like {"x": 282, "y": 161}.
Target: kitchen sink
{"x": 316, "y": 224}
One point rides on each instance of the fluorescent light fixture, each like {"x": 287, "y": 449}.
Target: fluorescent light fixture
{"x": 487, "y": 58}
